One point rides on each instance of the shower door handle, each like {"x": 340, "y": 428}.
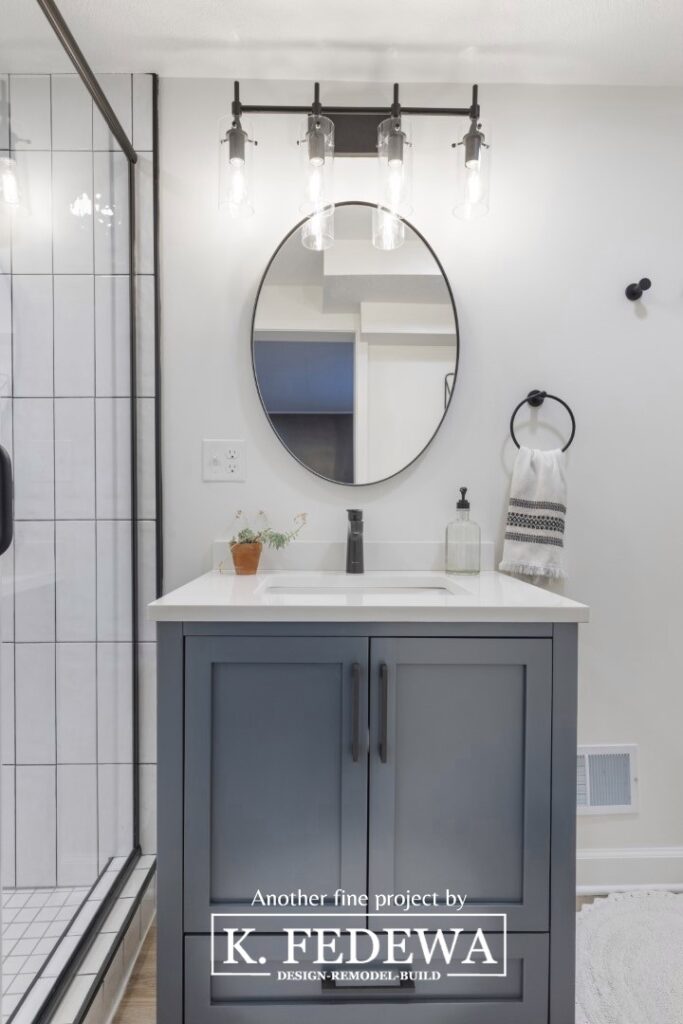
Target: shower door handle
{"x": 6, "y": 501}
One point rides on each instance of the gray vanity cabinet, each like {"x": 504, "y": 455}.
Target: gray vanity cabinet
{"x": 375, "y": 759}
{"x": 275, "y": 770}
{"x": 460, "y": 773}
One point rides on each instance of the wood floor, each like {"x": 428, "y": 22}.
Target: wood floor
{"x": 139, "y": 1004}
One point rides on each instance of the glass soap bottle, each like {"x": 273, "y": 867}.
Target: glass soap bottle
{"x": 463, "y": 540}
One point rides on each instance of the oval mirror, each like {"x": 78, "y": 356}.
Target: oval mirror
{"x": 355, "y": 350}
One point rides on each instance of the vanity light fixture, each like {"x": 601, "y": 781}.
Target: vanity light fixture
{"x": 361, "y": 125}
{"x": 317, "y": 156}
{"x": 394, "y": 158}
{"x": 472, "y": 169}
{"x": 234, "y": 155}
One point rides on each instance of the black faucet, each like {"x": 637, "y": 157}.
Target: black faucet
{"x": 354, "y": 541}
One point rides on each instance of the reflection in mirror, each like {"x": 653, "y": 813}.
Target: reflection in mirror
{"x": 355, "y": 350}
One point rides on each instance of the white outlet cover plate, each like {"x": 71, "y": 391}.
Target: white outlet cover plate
{"x": 223, "y": 461}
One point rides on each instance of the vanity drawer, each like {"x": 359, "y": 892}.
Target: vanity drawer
{"x": 519, "y": 998}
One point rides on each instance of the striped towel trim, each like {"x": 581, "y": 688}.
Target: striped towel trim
{"x": 531, "y": 538}
{"x": 550, "y": 506}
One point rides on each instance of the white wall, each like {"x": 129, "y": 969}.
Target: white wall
{"x": 587, "y": 196}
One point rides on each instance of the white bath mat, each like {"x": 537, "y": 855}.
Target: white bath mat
{"x": 629, "y": 967}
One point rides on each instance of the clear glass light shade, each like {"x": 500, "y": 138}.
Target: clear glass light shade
{"x": 10, "y": 193}
{"x": 388, "y": 230}
{"x": 317, "y": 232}
{"x": 235, "y": 154}
{"x": 394, "y": 159}
{"x": 472, "y": 174}
{"x": 316, "y": 146}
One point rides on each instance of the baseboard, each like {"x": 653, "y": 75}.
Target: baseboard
{"x": 629, "y": 868}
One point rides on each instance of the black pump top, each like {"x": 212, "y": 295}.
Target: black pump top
{"x": 355, "y": 515}
{"x": 463, "y": 503}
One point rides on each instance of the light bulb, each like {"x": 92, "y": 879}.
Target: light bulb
{"x": 9, "y": 185}
{"x": 235, "y": 150}
{"x": 473, "y": 164}
{"x": 317, "y": 233}
{"x": 388, "y": 230}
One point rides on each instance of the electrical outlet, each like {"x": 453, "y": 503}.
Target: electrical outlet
{"x": 223, "y": 460}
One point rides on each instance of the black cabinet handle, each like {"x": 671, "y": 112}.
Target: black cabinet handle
{"x": 6, "y": 501}
{"x": 330, "y": 982}
{"x": 355, "y": 710}
{"x": 383, "y": 713}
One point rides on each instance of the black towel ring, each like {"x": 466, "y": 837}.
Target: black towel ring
{"x": 536, "y": 398}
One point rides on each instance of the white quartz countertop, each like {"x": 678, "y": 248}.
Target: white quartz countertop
{"x": 371, "y": 597}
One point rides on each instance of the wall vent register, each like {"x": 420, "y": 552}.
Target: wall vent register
{"x": 607, "y": 780}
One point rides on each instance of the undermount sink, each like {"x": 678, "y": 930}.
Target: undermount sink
{"x": 370, "y": 588}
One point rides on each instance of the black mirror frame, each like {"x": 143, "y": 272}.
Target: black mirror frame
{"x": 447, "y": 405}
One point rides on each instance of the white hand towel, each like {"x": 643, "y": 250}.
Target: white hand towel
{"x": 534, "y": 534}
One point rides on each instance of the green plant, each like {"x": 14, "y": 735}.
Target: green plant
{"x": 276, "y": 539}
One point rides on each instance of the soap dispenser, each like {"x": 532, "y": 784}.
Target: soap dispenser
{"x": 463, "y": 540}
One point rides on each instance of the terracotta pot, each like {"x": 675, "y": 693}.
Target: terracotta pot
{"x": 246, "y": 558}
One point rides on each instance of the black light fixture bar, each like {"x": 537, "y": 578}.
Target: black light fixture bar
{"x": 472, "y": 111}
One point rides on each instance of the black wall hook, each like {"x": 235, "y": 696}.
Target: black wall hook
{"x": 635, "y": 291}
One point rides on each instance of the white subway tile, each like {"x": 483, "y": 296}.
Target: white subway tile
{"x": 72, "y": 212}
{"x": 75, "y": 458}
{"x": 117, "y": 89}
{"x": 114, "y": 702}
{"x": 144, "y": 214}
{"x": 76, "y": 703}
{"x": 7, "y": 835}
{"x": 7, "y": 703}
{"x": 76, "y": 586}
{"x": 30, "y": 111}
{"x": 143, "y": 114}
{"x": 146, "y": 578}
{"x": 33, "y": 458}
{"x": 146, "y": 447}
{"x": 111, "y": 213}
{"x": 112, "y": 419}
{"x": 76, "y": 824}
{"x": 112, "y": 319}
{"x": 4, "y": 111}
{"x": 36, "y": 826}
{"x": 34, "y": 569}
{"x": 7, "y": 594}
{"x": 6, "y": 216}
{"x": 71, "y": 113}
{"x": 145, "y": 341}
{"x": 114, "y": 606}
{"x": 74, "y": 331}
{"x": 147, "y": 663}
{"x": 32, "y": 326}
{"x": 148, "y": 808}
{"x": 115, "y": 788}
{"x": 5, "y": 334}
{"x": 35, "y": 703}
{"x": 32, "y": 224}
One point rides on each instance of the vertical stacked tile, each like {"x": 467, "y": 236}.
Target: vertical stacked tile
{"x": 65, "y": 412}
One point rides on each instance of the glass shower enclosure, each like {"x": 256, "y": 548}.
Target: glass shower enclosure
{"x": 78, "y": 417}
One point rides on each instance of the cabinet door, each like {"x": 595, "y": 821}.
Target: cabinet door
{"x": 275, "y": 772}
{"x": 460, "y": 774}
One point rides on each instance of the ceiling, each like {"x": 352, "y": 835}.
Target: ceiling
{"x": 618, "y": 42}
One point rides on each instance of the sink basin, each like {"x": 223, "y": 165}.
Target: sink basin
{"x": 370, "y": 588}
